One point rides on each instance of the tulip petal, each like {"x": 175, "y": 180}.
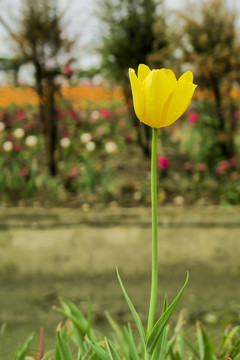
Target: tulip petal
{"x": 137, "y": 92}
{"x": 143, "y": 72}
{"x": 157, "y": 88}
{"x": 186, "y": 77}
{"x": 171, "y": 76}
{"x": 177, "y": 103}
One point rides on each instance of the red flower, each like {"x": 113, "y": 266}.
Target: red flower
{"x": 71, "y": 114}
{"x": 10, "y": 137}
{"x": 232, "y": 161}
{"x": 20, "y": 115}
{"x": 128, "y": 138}
{"x": 17, "y": 147}
{"x": 68, "y": 71}
{"x": 23, "y": 172}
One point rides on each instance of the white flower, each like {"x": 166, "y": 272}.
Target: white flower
{"x": 18, "y": 133}
{"x": 95, "y": 115}
{"x": 2, "y": 126}
{"x": 65, "y": 142}
{"x": 111, "y": 147}
{"x": 7, "y": 146}
{"x": 31, "y": 141}
{"x": 85, "y": 138}
{"x": 90, "y": 146}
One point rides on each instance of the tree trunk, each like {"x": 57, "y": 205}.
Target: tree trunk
{"x": 39, "y": 88}
{"x": 52, "y": 128}
{"x": 223, "y": 143}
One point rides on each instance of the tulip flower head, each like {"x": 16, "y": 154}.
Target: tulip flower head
{"x": 160, "y": 99}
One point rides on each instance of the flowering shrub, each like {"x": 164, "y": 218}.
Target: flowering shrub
{"x": 96, "y": 141}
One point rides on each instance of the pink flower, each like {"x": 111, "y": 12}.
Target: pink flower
{"x": 163, "y": 162}
{"x": 100, "y": 131}
{"x": 122, "y": 122}
{"x": 222, "y": 167}
{"x": 202, "y": 167}
{"x": 232, "y": 162}
{"x": 187, "y": 166}
{"x": 193, "y": 117}
{"x": 73, "y": 172}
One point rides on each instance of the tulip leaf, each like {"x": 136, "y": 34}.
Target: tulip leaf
{"x": 206, "y": 348}
{"x": 111, "y": 351}
{"x": 129, "y": 340}
{"x": 163, "y": 320}
{"x": 133, "y": 311}
{"x": 160, "y": 349}
{"x": 84, "y": 325}
{"x": 98, "y": 350}
{"x": 159, "y": 352}
{"x": 62, "y": 349}
{"x": 22, "y": 351}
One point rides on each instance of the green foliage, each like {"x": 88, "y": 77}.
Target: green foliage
{"x": 133, "y": 32}
{"x": 76, "y": 340}
{"x": 156, "y": 335}
{"x": 23, "y": 350}
{"x": 38, "y": 39}
{"x": 210, "y": 42}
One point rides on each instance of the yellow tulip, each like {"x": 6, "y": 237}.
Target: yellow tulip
{"x": 160, "y": 99}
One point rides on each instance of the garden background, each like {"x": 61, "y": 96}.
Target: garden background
{"x": 69, "y": 137}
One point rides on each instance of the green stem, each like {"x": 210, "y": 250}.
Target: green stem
{"x": 154, "y": 285}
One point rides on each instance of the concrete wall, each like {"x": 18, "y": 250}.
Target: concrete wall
{"x": 72, "y": 241}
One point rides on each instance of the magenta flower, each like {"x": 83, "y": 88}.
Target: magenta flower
{"x": 193, "y": 117}
{"x": 105, "y": 113}
{"x": 163, "y": 162}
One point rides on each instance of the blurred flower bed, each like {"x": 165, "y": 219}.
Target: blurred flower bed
{"x": 99, "y": 158}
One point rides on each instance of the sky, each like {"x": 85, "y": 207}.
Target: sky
{"x": 80, "y": 12}
{"x": 82, "y": 23}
